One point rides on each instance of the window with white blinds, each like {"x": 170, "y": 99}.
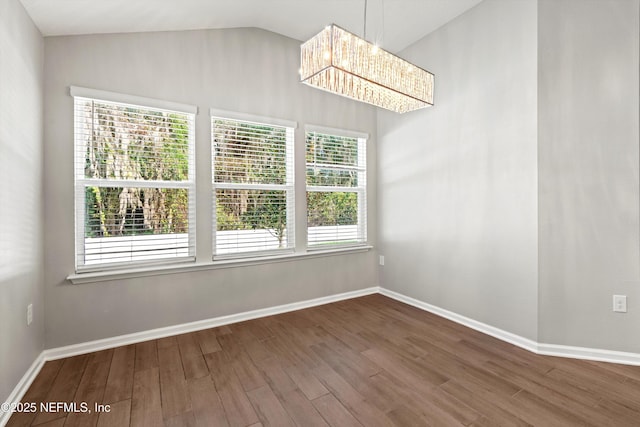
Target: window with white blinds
{"x": 336, "y": 188}
{"x": 253, "y": 191}
{"x": 134, "y": 180}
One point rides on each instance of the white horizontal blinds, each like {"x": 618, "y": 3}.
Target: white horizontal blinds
{"x": 135, "y": 184}
{"x": 336, "y": 189}
{"x": 253, "y": 187}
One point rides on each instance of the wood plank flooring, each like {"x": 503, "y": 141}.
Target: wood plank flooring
{"x": 369, "y": 361}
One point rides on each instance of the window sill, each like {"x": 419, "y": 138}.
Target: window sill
{"x": 103, "y": 276}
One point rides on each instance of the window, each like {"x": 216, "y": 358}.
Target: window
{"x": 134, "y": 180}
{"x": 336, "y": 188}
{"x": 253, "y": 190}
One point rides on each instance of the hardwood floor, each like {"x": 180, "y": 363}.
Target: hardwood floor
{"x": 370, "y": 361}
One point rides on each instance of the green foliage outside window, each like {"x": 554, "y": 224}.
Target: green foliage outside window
{"x": 331, "y": 162}
{"x": 248, "y": 153}
{"x": 335, "y": 208}
{"x": 125, "y": 143}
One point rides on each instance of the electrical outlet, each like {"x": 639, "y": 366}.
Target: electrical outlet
{"x": 381, "y": 259}
{"x": 29, "y": 314}
{"x": 620, "y": 303}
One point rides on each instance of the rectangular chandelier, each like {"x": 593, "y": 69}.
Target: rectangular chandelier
{"x": 340, "y": 62}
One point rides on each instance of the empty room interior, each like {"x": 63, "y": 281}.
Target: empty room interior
{"x": 320, "y": 213}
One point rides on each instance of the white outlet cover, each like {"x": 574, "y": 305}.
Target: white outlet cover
{"x": 381, "y": 259}
{"x": 620, "y": 303}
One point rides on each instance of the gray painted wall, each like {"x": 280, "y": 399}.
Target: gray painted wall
{"x": 463, "y": 224}
{"x": 458, "y": 182}
{"x": 246, "y": 70}
{"x": 21, "y": 62}
{"x": 526, "y": 173}
{"x": 588, "y": 172}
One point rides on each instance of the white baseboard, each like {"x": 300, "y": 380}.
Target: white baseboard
{"x": 22, "y": 386}
{"x": 573, "y": 352}
{"x": 585, "y": 353}
{"x": 91, "y": 346}
{"x": 503, "y": 335}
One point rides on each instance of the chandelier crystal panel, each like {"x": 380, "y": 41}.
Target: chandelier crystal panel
{"x": 340, "y": 62}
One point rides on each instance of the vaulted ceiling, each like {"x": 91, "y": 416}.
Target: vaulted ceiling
{"x": 393, "y": 24}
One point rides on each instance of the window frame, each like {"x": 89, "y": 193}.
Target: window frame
{"x": 296, "y": 190}
{"x": 81, "y": 182}
{"x": 361, "y": 190}
{"x": 288, "y": 187}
